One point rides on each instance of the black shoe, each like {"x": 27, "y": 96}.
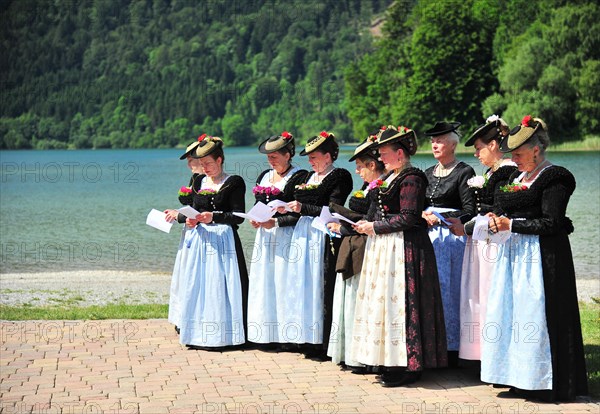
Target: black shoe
{"x": 452, "y": 359}
{"x": 391, "y": 381}
{"x": 359, "y": 370}
{"x": 177, "y": 330}
{"x": 207, "y": 348}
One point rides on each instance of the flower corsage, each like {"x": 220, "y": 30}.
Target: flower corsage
{"x": 185, "y": 191}
{"x": 377, "y": 184}
{"x": 269, "y": 191}
{"x": 306, "y": 187}
{"x": 478, "y": 181}
{"x": 359, "y": 194}
{"x": 207, "y": 191}
{"x": 185, "y": 196}
{"x": 513, "y": 187}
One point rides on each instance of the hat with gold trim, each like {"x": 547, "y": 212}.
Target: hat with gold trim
{"x": 324, "y": 141}
{"x": 367, "y": 148}
{"x": 403, "y": 135}
{"x": 520, "y": 134}
{"x": 278, "y": 142}
{"x": 207, "y": 145}
{"x": 190, "y": 148}
{"x": 494, "y": 128}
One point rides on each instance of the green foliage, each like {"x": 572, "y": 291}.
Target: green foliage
{"x": 158, "y": 73}
{"x": 155, "y": 73}
{"x": 466, "y": 60}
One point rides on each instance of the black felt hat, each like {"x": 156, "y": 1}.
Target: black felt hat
{"x": 403, "y": 135}
{"x": 494, "y": 128}
{"x": 442, "y": 127}
{"x": 367, "y": 148}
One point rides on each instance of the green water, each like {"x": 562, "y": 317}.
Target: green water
{"x": 86, "y": 209}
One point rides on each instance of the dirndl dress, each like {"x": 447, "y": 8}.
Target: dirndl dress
{"x": 269, "y": 265}
{"x": 477, "y": 270}
{"x": 268, "y": 281}
{"x": 304, "y": 288}
{"x": 177, "y": 280}
{"x": 380, "y": 316}
{"x": 449, "y": 251}
{"x": 516, "y": 345}
{"x": 212, "y": 306}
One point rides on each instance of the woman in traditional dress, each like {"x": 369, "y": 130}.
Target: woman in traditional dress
{"x": 216, "y": 292}
{"x": 272, "y": 246}
{"x": 186, "y": 198}
{"x": 480, "y": 255}
{"x": 351, "y": 252}
{"x": 311, "y": 269}
{"x": 448, "y": 194}
{"x": 532, "y": 337}
{"x": 399, "y": 321}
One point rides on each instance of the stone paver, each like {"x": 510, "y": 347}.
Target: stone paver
{"x": 130, "y": 366}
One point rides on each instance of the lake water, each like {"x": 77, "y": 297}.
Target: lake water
{"x": 86, "y": 209}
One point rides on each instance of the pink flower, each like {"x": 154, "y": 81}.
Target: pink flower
{"x": 286, "y": 135}
{"x": 270, "y": 191}
{"x": 207, "y": 191}
{"x": 201, "y": 137}
{"x": 526, "y": 121}
{"x": 376, "y": 184}
{"x": 324, "y": 134}
{"x": 185, "y": 190}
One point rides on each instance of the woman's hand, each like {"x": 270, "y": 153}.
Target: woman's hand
{"x": 281, "y": 210}
{"x": 430, "y": 218}
{"x": 497, "y": 224}
{"x": 457, "y": 228}
{"x": 269, "y": 224}
{"x": 365, "y": 227}
{"x": 335, "y": 227}
{"x": 255, "y": 224}
{"x": 295, "y": 206}
{"x": 171, "y": 215}
{"x": 205, "y": 217}
{"x": 190, "y": 222}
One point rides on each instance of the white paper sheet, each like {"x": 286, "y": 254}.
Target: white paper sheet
{"x": 278, "y": 203}
{"x": 320, "y": 223}
{"x": 260, "y": 213}
{"x": 157, "y": 219}
{"x": 481, "y": 231}
{"x": 189, "y": 212}
{"x": 340, "y": 217}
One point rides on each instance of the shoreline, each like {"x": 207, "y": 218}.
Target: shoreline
{"x": 82, "y": 288}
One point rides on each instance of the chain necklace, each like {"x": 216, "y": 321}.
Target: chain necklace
{"x": 443, "y": 171}
{"x": 497, "y": 164}
{"x": 528, "y": 175}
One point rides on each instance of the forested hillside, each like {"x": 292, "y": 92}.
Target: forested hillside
{"x": 157, "y": 73}
{"x": 468, "y": 59}
{"x": 151, "y": 73}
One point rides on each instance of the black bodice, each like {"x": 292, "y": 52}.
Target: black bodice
{"x": 484, "y": 197}
{"x": 288, "y": 191}
{"x": 229, "y": 198}
{"x": 541, "y": 208}
{"x": 335, "y": 188}
{"x": 452, "y": 191}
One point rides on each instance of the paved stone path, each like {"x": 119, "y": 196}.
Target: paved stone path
{"x": 138, "y": 366}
